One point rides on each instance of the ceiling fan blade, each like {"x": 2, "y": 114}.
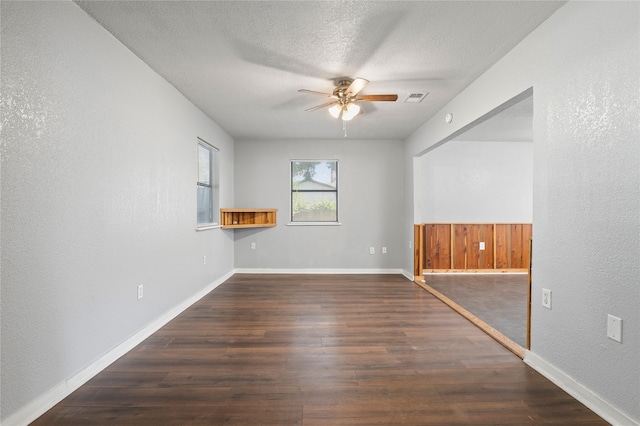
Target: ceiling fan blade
{"x": 322, "y": 106}
{"x": 376, "y": 98}
{"x": 313, "y": 92}
{"x": 356, "y": 86}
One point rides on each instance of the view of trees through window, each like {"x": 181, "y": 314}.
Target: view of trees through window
{"x": 314, "y": 191}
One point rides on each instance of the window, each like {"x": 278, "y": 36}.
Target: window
{"x": 207, "y": 184}
{"x": 314, "y": 191}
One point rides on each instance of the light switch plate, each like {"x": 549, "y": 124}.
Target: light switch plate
{"x": 614, "y": 328}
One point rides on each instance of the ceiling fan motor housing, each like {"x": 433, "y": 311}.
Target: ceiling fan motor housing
{"x": 341, "y": 88}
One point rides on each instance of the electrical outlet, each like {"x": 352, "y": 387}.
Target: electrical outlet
{"x": 481, "y": 245}
{"x": 410, "y": 243}
{"x": 384, "y": 250}
{"x": 140, "y": 291}
{"x": 614, "y": 328}
{"x": 546, "y": 298}
{"x": 204, "y": 260}
{"x": 253, "y": 246}
{"x": 372, "y": 250}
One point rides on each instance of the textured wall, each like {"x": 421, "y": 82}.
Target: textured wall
{"x": 469, "y": 182}
{"x": 584, "y": 66}
{"x": 369, "y": 205}
{"x": 588, "y": 193}
{"x": 98, "y": 196}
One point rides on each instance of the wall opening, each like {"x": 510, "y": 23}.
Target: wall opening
{"x": 482, "y": 175}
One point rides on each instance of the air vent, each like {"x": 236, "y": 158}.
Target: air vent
{"x": 415, "y": 98}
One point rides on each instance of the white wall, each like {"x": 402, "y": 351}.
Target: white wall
{"x": 98, "y": 196}
{"x": 476, "y": 182}
{"x": 369, "y": 206}
{"x": 584, "y": 66}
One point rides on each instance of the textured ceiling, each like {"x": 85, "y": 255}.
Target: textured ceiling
{"x": 242, "y": 62}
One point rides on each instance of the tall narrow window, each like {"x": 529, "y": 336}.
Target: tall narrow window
{"x": 207, "y": 184}
{"x": 314, "y": 191}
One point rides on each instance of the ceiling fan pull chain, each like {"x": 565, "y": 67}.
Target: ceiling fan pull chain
{"x": 344, "y": 127}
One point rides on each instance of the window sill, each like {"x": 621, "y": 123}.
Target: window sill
{"x": 207, "y": 227}
{"x": 314, "y": 224}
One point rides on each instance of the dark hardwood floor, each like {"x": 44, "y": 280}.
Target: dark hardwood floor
{"x": 500, "y": 300}
{"x": 319, "y": 350}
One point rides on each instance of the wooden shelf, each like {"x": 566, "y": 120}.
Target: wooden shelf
{"x": 247, "y": 218}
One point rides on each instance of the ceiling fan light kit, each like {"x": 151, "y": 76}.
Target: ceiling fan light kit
{"x": 346, "y": 111}
{"x": 350, "y": 111}
{"x": 335, "y": 110}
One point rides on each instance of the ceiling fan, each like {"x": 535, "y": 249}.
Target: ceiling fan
{"x": 345, "y": 97}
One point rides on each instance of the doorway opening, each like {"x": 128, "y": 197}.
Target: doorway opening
{"x": 476, "y": 184}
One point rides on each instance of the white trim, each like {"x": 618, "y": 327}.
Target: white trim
{"x": 315, "y": 271}
{"x": 577, "y": 390}
{"x": 47, "y": 400}
{"x": 206, "y": 227}
{"x": 477, "y": 273}
{"x": 408, "y": 275}
{"x": 314, "y": 224}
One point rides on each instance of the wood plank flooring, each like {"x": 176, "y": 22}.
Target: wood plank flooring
{"x": 500, "y": 300}
{"x": 319, "y": 350}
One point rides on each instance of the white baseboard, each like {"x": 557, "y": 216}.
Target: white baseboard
{"x": 46, "y": 401}
{"x": 477, "y": 273}
{"x": 317, "y": 271}
{"x": 406, "y": 274}
{"x": 579, "y": 391}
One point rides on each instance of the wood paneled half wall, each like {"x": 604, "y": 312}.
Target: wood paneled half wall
{"x": 441, "y": 247}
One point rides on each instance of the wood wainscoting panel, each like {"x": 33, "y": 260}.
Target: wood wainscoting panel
{"x": 480, "y": 246}
{"x": 473, "y": 246}
{"x": 438, "y": 246}
{"x": 468, "y": 251}
{"x": 512, "y": 245}
{"x": 459, "y": 249}
{"x": 419, "y": 245}
{"x": 503, "y": 246}
{"x": 520, "y": 236}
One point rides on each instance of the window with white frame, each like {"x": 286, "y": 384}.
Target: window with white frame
{"x": 207, "y": 184}
{"x": 314, "y": 191}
